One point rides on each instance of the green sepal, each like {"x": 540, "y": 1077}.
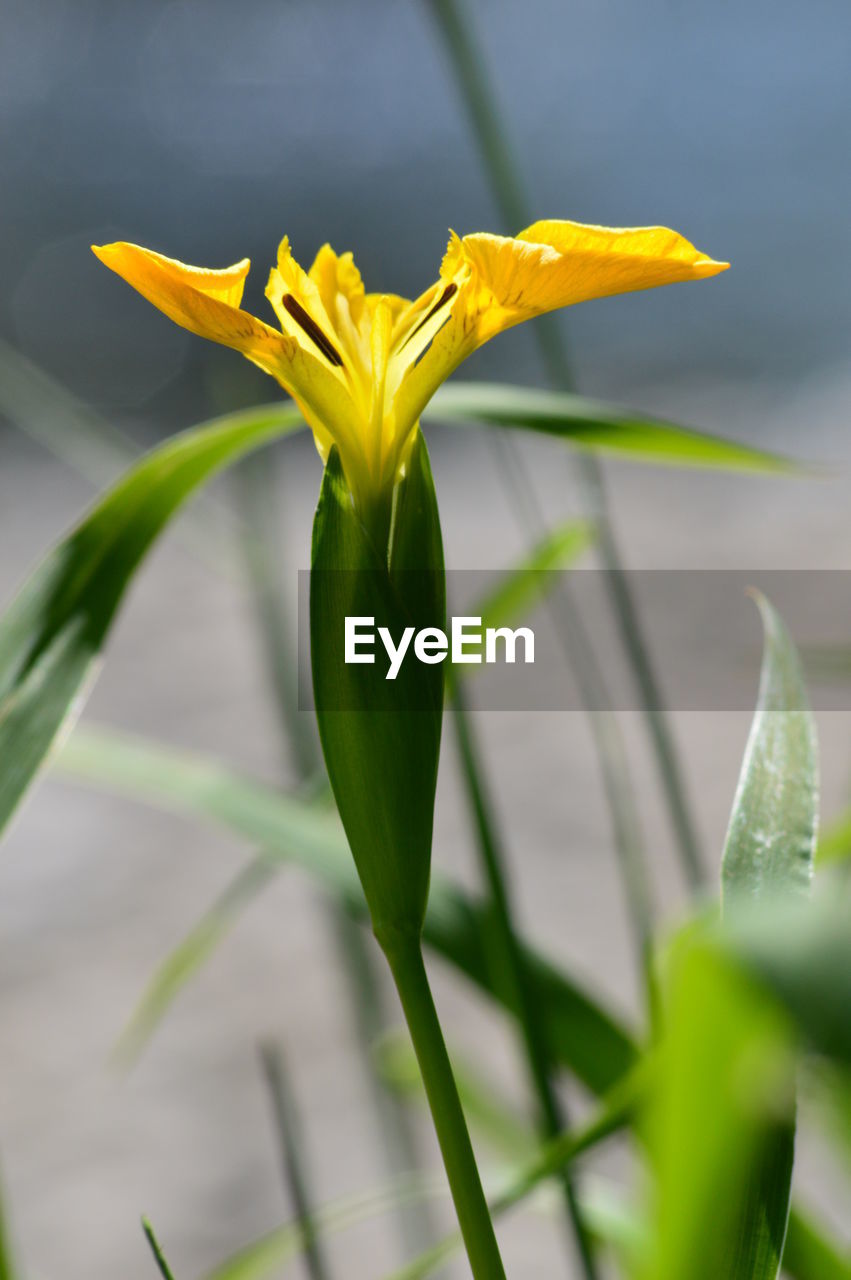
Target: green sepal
{"x": 380, "y": 737}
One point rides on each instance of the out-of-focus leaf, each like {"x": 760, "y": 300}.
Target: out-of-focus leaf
{"x": 810, "y": 1254}
{"x": 7, "y": 1265}
{"x": 273, "y": 1251}
{"x": 802, "y": 953}
{"x": 592, "y": 424}
{"x": 181, "y": 964}
{"x": 36, "y": 403}
{"x": 834, "y": 843}
{"x": 723, "y": 1092}
{"x": 606, "y": 1215}
{"x": 89, "y": 444}
{"x": 527, "y": 583}
{"x": 53, "y": 630}
{"x": 772, "y": 834}
{"x": 768, "y": 856}
{"x": 721, "y": 1120}
{"x": 585, "y": 1038}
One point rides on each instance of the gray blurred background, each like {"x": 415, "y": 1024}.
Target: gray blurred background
{"x": 206, "y": 131}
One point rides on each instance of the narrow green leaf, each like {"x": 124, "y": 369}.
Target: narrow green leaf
{"x": 156, "y": 1249}
{"x": 273, "y": 1251}
{"x": 585, "y": 1038}
{"x": 768, "y": 855}
{"x": 188, "y": 957}
{"x": 8, "y": 1270}
{"x": 810, "y": 1254}
{"x": 293, "y": 1161}
{"x": 721, "y": 1111}
{"x": 56, "y": 626}
{"x": 527, "y": 583}
{"x": 771, "y": 839}
{"x": 592, "y": 424}
{"x": 834, "y": 843}
{"x": 610, "y": 1223}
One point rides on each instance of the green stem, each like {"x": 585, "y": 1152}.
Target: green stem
{"x": 490, "y": 132}
{"x": 521, "y": 983}
{"x": 406, "y": 964}
{"x": 292, "y": 1162}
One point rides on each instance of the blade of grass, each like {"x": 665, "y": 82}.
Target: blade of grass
{"x": 510, "y": 960}
{"x": 523, "y": 586}
{"x": 41, "y": 407}
{"x": 459, "y": 35}
{"x": 156, "y": 1249}
{"x": 56, "y": 626}
{"x": 292, "y": 1157}
{"x": 181, "y": 965}
{"x": 586, "y": 1039}
{"x": 275, "y": 1250}
{"x": 579, "y": 650}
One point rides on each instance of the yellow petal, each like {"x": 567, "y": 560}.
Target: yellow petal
{"x": 502, "y": 281}
{"x": 556, "y": 264}
{"x": 205, "y": 302}
{"x": 338, "y": 280}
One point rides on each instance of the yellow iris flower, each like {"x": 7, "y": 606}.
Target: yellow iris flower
{"x": 363, "y": 366}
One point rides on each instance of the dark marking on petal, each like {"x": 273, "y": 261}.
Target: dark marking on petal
{"x": 449, "y": 292}
{"x": 311, "y": 328}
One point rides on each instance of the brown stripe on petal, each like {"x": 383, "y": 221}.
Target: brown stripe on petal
{"x": 311, "y": 328}
{"x": 449, "y": 292}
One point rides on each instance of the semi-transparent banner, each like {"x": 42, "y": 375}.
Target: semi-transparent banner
{"x": 550, "y": 642}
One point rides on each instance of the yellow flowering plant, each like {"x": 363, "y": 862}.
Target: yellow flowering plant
{"x": 362, "y": 368}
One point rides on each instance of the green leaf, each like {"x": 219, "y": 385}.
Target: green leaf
{"x": 768, "y": 855}
{"x": 528, "y": 582}
{"x": 56, "y": 626}
{"x": 721, "y": 1114}
{"x": 584, "y": 1037}
{"x": 834, "y": 844}
{"x": 8, "y": 1271}
{"x": 802, "y": 953}
{"x": 810, "y": 1254}
{"x": 188, "y": 957}
{"x": 592, "y": 424}
{"x": 771, "y": 839}
{"x": 156, "y": 1249}
{"x": 273, "y": 1251}
{"x": 380, "y": 736}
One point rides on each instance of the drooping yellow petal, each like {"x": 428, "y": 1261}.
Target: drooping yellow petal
{"x": 207, "y": 303}
{"x": 502, "y": 281}
{"x": 204, "y": 301}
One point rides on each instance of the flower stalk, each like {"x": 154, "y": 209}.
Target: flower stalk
{"x": 406, "y": 964}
